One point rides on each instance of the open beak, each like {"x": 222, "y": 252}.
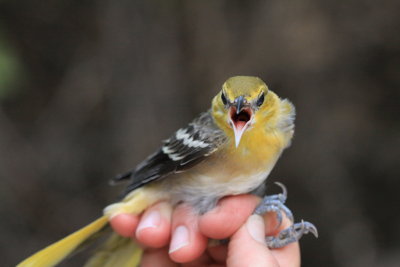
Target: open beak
{"x": 240, "y": 117}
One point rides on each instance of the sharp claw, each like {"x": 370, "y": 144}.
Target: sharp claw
{"x": 305, "y": 228}
{"x": 299, "y": 229}
{"x": 313, "y": 230}
{"x": 284, "y": 190}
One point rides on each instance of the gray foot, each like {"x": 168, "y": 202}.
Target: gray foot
{"x": 291, "y": 234}
{"x": 276, "y": 203}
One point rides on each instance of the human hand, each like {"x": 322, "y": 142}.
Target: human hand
{"x": 190, "y": 234}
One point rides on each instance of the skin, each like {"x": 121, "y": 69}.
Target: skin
{"x": 230, "y": 219}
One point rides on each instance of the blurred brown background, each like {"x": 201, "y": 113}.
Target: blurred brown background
{"x": 89, "y": 88}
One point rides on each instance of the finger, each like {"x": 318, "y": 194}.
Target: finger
{"x": 247, "y": 246}
{"x": 288, "y": 255}
{"x": 215, "y": 256}
{"x": 157, "y": 257}
{"x": 124, "y": 224}
{"x": 228, "y": 216}
{"x": 202, "y": 261}
{"x": 154, "y": 229}
{"x": 187, "y": 243}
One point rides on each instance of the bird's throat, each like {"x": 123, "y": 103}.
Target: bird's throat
{"x": 239, "y": 122}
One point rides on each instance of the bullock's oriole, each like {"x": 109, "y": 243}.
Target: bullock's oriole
{"x": 228, "y": 150}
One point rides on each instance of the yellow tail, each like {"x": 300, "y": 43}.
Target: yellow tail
{"x": 116, "y": 251}
{"x": 53, "y": 254}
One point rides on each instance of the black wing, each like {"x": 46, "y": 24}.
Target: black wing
{"x": 187, "y": 147}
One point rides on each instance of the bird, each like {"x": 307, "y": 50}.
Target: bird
{"x": 228, "y": 150}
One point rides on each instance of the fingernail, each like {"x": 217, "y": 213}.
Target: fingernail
{"x": 150, "y": 220}
{"x": 180, "y": 238}
{"x": 256, "y": 228}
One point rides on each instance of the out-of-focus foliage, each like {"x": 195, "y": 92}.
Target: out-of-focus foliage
{"x": 9, "y": 69}
{"x": 100, "y": 83}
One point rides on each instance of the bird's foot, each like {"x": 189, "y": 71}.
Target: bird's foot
{"x": 291, "y": 234}
{"x": 276, "y": 203}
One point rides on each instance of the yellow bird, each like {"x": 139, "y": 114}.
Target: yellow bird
{"x": 228, "y": 150}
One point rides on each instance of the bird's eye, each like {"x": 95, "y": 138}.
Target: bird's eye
{"x": 260, "y": 100}
{"x": 223, "y": 98}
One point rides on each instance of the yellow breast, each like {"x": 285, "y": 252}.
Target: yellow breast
{"x": 242, "y": 169}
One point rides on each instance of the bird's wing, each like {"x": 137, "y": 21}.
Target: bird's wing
{"x": 186, "y": 148}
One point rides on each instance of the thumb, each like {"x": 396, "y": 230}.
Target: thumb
{"x": 247, "y": 246}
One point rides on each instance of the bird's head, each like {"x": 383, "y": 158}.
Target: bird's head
{"x": 237, "y": 106}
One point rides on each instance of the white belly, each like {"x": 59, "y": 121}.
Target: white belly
{"x": 202, "y": 191}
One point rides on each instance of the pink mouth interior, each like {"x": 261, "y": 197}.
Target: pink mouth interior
{"x": 240, "y": 120}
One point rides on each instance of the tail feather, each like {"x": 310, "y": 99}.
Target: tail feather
{"x": 55, "y": 253}
{"x": 116, "y": 251}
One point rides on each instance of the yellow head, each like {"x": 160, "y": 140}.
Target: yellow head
{"x": 242, "y": 102}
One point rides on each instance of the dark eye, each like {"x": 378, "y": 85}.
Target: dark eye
{"x": 260, "y": 100}
{"x": 223, "y": 98}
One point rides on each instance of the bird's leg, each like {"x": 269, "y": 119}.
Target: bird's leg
{"x": 276, "y": 203}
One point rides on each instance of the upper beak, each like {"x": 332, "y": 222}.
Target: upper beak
{"x": 239, "y": 103}
{"x": 240, "y": 117}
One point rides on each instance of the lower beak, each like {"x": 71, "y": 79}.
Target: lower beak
{"x": 239, "y": 122}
